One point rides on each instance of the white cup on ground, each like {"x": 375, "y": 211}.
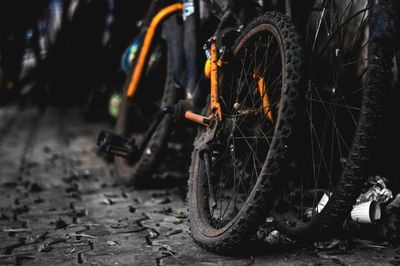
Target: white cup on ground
{"x": 322, "y": 202}
{"x": 366, "y": 212}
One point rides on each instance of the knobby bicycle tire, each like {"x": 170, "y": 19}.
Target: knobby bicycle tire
{"x": 337, "y": 209}
{"x": 139, "y": 173}
{"x": 206, "y": 230}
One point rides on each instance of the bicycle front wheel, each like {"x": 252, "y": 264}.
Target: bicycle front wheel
{"x": 232, "y": 173}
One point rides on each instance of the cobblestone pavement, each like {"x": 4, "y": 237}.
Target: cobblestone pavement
{"x": 60, "y": 204}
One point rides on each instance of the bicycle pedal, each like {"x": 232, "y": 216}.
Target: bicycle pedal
{"x": 116, "y": 145}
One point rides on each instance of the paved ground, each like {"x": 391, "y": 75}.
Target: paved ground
{"x": 60, "y": 204}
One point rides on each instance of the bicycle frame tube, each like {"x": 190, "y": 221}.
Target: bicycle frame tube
{"x": 262, "y": 89}
{"x": 214, "y": 63}
{"x": 215, "y": 106}
{"x": 155, "y": 22}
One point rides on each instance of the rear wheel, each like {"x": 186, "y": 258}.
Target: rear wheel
{"x": 156, "y": 90}
{"x": 246, "y": 151}
{"x": 337, "y": 42}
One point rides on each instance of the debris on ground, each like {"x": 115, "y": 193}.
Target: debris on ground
{"x": 369, "y": 243}
{"x": 334, "y": 246}
{"x": 35, "y": 187}
{"x": 16, "y": 230}
{"x": 381, "y": 215}
{"x": 44, "y": 248}
{"x": 377, "y": 192}
{"x": 60, "y": 224}
{"x": 174, "y": 232}
{"x": 389, "y": 229}
{"x": 180, "y": 214}
{"x": 367, "y": 207}
{"x": 107, "y": 201}
{"x": 111, "y": 243}
{"x": 269, "y": 235}
{"x": 81, "y": 235}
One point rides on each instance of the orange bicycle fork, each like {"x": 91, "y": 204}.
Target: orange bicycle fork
{"x": 211, "y": 70}
{"x": 215, "y": 107}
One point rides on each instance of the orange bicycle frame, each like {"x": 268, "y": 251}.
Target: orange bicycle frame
{"x": 211, "y": 69}
{"x": 155, "y": 22}
{"x": 215, "y": 107}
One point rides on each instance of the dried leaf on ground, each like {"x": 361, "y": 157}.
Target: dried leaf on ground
{"x": 111, "y": 243}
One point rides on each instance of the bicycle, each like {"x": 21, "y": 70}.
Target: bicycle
{"x": 342, "y": 115}
{"x": 232, "y": 116}
{"x": 285, "y": 183}
{"x": 134, "y": 170}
